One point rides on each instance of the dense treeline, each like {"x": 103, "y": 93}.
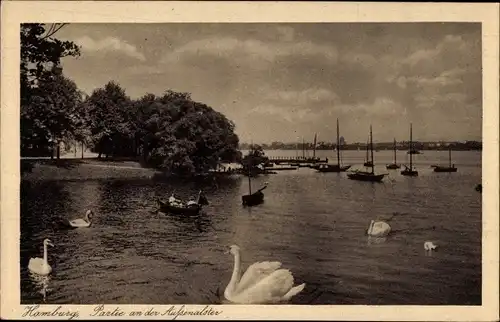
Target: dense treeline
{"x": 169, "y": 132}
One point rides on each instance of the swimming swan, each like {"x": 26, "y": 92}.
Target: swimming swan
{"x": 428, "y": 245}
{"x": 262, "y": 283}
{"x": 82, "y": 223}
{"x": 378, "y": 229}
{"x": 41, "y": 266}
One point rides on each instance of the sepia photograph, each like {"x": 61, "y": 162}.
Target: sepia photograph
{"x": 256, "y": 163}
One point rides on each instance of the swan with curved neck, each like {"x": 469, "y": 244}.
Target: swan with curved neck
{"x": 378, "y": 229}
{"x": 41, "y": 266}
{"x": 262, "y": 283}
{"x": 81, "y": 223}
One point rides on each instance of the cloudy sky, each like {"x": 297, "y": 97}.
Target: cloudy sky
{"x": 280, "y": 82}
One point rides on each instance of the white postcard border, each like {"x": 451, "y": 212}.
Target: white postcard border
{"x": 15, "y": 12}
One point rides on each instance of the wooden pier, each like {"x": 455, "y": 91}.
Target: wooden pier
{"x": 297, "y": 160}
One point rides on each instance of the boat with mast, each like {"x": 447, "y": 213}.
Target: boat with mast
{"x": 253, "y": 199}
{"x": 368, "y": 163}
{"x": 408, "y": 171}
{"x": 334, "y": 167}
{"x": 449, "y": 168}
{"x": 367, "y": 175}
{"x": 394, "y": 165}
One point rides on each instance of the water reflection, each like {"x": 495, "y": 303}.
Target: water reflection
{"x": 376, "y": 240}
{"x": 199, "y": 223}
{"x": 40, "y": 284}
{"x": 429, "y": 253}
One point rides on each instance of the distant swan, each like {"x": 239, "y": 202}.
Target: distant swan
{"x": 428, "y": 245}
{"x": 378, "y": 229}
{"x": 262, "y": 283}
{"x": 82, "y": 223}
{"x": 41, "y": 266}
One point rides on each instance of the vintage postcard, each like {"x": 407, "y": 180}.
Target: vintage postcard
{"x": 249, "y": 160}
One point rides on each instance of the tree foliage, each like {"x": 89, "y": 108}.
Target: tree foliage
{"x": 108, "y": 122}
{"x": 254, "y": 157}
{"x": 169, "y": 132}
{"x": 48, "y": 99}
{"x": 52, "y": 112}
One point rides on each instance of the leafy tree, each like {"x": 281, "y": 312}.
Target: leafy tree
{"x": 40, "y": 55}
{"x": 109, "y": 122}
{"x": 255, "y": 156}
{"x": 51, "y": 114}
{"x": 178, "y": 135}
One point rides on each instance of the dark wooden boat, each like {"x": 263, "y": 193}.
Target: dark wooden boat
{"x": 367, "y": 175}
{"x": 253, "y": 199}
{"x": 408, "y": 171}
{"x": 183, "y": 208}
{"x": 449, "y": 168}
{"x": 333, "y": 167}
{"x": 394, "y": 165}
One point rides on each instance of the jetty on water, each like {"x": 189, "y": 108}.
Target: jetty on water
{"x": 299, "y": 159}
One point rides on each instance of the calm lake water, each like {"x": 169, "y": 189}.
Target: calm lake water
{"x": 314, "y": 223}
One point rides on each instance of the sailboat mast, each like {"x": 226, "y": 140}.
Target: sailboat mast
{"x": 371, "y": 149}
{"x": 449, "y": 155}
{"x": 395, "y": 151}
{"x": 411, "y": 146}
{"x": 303, "y": 148}
{"x": 250, "y": 165}
{"x": 314, "y": 148}
{"x": 338, "y": 144}
{"x": 367, "y": 148}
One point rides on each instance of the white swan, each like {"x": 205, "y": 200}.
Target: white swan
{"x": 262, "y": 283}
{"x": 41, "y": 266}
{"x": 82, "y": 223}
{"x": 378, "y": 229}
{"x": 428, "y": 245}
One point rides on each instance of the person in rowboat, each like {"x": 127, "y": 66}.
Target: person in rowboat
{"x": 174, "y": 201}
{"x": 191, "y": 201}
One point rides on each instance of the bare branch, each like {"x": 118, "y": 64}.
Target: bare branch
{"x": 53, "y": 29}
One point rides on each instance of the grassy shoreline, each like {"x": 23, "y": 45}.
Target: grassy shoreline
{"x": 72, "y": 169}
{"x": 83, "y": 169}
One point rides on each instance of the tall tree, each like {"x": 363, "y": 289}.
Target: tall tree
{"x": 41, "y": 54}
{"x": 109, "y": 122}
{"x": 51, "y": 115}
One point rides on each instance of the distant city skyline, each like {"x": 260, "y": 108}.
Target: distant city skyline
{"x": 280, "y": 82}
{"x": 311, "y": 142}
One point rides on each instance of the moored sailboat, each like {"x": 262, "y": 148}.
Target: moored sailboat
{"x": 394, "y": 165}
{"x": 334, "y": 167}
{"x": 367, "y": 175}
{"x": 408, "y": 171}
{"x": 253, "y": 199}
{"x": 449, "y": 168}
